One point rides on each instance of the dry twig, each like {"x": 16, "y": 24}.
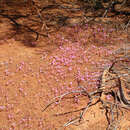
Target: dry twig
{"x": 108, "y": 106}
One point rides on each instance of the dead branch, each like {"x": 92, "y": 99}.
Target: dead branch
{"x": 111, "y": 108}
{"x": 54, "y": 100}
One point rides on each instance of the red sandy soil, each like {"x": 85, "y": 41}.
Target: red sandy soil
{"x": 31, "y": 76}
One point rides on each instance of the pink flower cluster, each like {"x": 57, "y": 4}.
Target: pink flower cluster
{"x": 76, "y": 62}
